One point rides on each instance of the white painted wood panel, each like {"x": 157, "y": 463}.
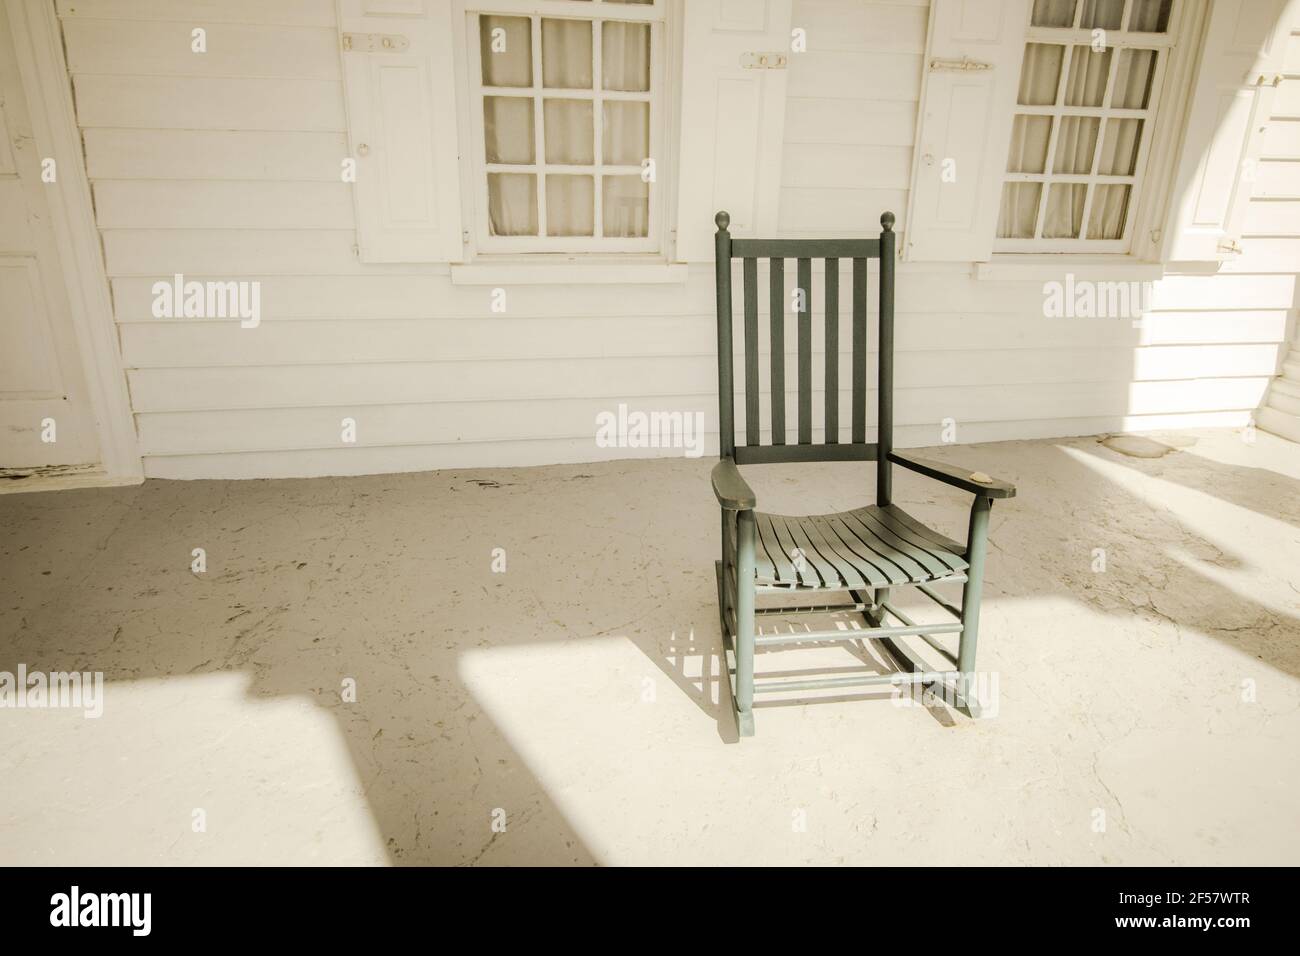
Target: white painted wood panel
{"x": 308, "y": 12}
{"x": 188, "y": 102}
{"x": 197, "y": 343}
{"x": 158, "y": 204}
{"x": 15, "y": 225}
{"x": 1172, "y": 328}
{"x": 854, "y": 122}
{"x": 288, "y": 386}
{"x": 266, "y": 155}
{"x": 1272, "y": 218}
{"x": 1277, "y": 180}
{"x": 232, "y": 49}
{"x": 1225, "y": 292}
{"x": 845, "y": 166}
{"x": 838, "y": 211}
{"x": 862, "y": 27}
{"x": 414, "y": 296}
{"x": 154, "y": 252}
{"x": 413, "y": 424}
{"x": 1282, "y": 139}
{"x": 852, "y": 74}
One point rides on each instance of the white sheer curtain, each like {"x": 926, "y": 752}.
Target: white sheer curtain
{"x": 568, "y": 126}
{"x": 1076, "y": 137}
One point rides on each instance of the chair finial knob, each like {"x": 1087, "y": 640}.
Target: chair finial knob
{"x": 887, "y": 221}
{"x": 723, "y": 219}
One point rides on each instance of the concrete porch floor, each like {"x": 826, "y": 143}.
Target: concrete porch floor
{"x": 1146, "y": 714}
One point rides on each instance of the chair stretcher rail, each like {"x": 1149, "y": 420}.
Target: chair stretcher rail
{"x": 856, "y": 634}
{"x": 853, "y": 680}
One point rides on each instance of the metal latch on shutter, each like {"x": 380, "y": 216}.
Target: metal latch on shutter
{"x": 375, "y": 43}
{"x": 762, "y": 61}
{"x": 964, "y": 65}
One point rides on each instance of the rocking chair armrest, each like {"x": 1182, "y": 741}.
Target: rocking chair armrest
{"x": 961, "y": 478}
{"x": 732, "y": 491}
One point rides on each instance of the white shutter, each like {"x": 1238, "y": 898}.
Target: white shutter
{"x": 734, "y": 65}
{"x": 971, "y": 74}
{"x": 399, "y": 82}
{"x": 1240, "y": 64}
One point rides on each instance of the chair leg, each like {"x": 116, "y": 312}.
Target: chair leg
{"x": 976, "y": 551}
{"x": 725, "y": 601}
{"x": 744, "y": 636}
{"x": 876, "y": 616}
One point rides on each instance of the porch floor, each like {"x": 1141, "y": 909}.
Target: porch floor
{"x": 1147, "y": 712}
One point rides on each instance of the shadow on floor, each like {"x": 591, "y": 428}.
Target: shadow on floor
{"x": 389, "y": 581}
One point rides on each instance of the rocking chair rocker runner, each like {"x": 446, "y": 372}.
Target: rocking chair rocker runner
{"x": 865, "y": 552}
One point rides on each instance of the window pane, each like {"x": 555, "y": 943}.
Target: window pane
{"x": 627, "y": 133}
{"x": 1119, "y": 150}
{"x": 1029, "y": 136}
{"x": 570, "y": 133}
{"x": 566, "y": 54}
{"x": 1039, "y": 74}
{"x": 570, "y": 205}
{"x": 1109, "y": 210}
{"x": 1089, "y": 71}
{"x": 1064, "y": 215}
{"x": 1053, "y": 13}
{"x": 508, "y": 129}
{"x": 626, "y": 201}
{"x": 1133, "y": 78}
{"x": 1075, "y": 144}
{"x": 624, "y": 55}
{"x": 1150, "y": 16}
{"x": 1101, "y": 13}
{"x": 506, "y": 49}
{"x": 512, "y": 204}
{"x": 1019, "y": 210}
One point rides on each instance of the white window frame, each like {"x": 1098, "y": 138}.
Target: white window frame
{"x": 1156, "y": 129}
{"x": 477, "y": 168}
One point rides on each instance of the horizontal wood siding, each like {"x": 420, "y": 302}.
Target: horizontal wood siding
{"x": 851, "y": 115}
{"x": 225, "y": 166}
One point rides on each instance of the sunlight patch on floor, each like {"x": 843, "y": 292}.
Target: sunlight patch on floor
{"x": 124, "y": 788}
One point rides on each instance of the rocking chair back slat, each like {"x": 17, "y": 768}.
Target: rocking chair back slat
{"x": 803, "y": 301}
{"x": 776, "y": 348}
{"x": 726, "y": 386}
{"x": 831, "y": 447}
{"x": 752, "y": 431}
{"x": 832, "y": 379}
{"x": 859, "y": 350}
{"x": 885, "y": 392}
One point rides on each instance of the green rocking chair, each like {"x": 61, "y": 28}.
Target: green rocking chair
{"x": 864, "y": 553}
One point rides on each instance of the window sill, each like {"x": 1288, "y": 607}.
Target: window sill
{"x": 1011, "y": 267}
{"x": 568, "y": 270}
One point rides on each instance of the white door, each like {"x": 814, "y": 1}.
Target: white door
{"x": 45, "y": 416}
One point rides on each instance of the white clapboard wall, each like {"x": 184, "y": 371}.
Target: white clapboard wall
{"x": 226, "y": 165}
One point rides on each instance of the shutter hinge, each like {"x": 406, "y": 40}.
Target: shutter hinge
{"x": 762, "y": 61}
{"x": 964, "y": 65}
{"x": 1264, "y": 79}
{"x": 375, "y": 43}
{"x": 1229, "y": 245}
